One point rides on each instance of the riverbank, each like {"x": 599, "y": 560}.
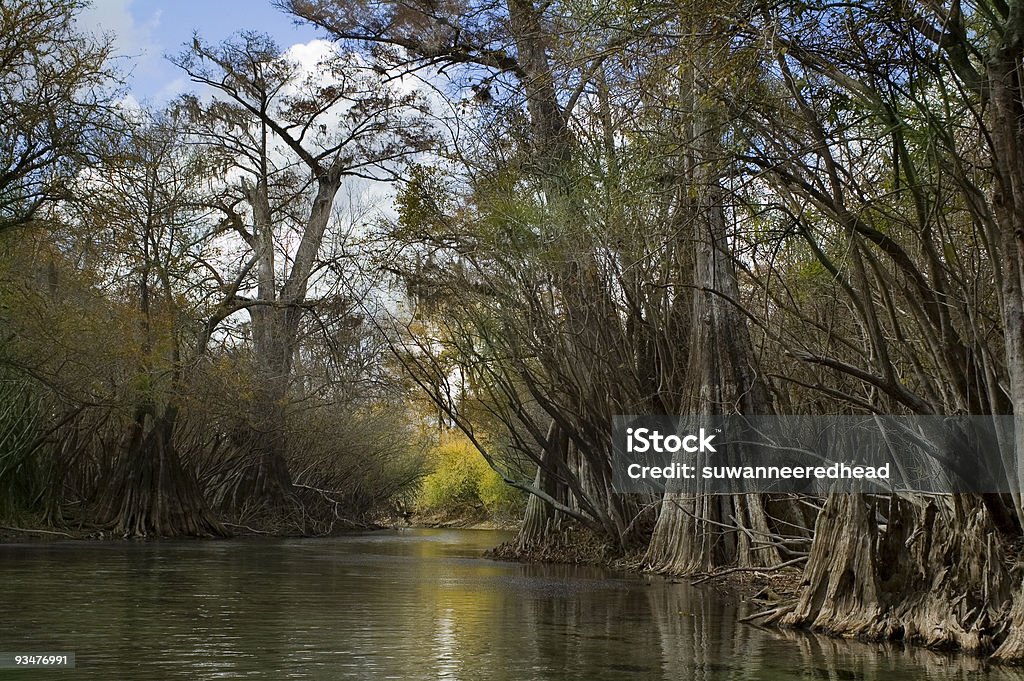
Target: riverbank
{"x": 14, "y": 533}
{"x": 464, "y": 523}
{"x": 577, "y": 546}
{"x": 771, "y": 595}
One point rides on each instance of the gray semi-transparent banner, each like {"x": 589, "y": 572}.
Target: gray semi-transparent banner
{"x": 813, "y": 454}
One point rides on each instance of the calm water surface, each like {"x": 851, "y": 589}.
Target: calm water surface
{"x": 416, "y": 604}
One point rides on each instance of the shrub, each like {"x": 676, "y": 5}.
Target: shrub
{"x": 27, "y": 485}
{"x": 463, "y": 484}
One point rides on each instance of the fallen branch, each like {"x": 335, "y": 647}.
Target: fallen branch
{"x": 21, "y": 529}
{"x": 780, "y": 610}
{"x": 245, "y": 527}
{"x": 730, "y": 571}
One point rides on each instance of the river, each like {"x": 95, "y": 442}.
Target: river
{"x": 413, "y": 604}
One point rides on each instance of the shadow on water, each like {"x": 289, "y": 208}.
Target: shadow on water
{"x": 418, "y": 604}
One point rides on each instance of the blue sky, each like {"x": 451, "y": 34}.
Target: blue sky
{"x": 147, "y": 30}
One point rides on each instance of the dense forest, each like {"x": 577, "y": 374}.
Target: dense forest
{"x": 208, "y": 324}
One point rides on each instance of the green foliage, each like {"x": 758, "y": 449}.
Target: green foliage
{"x": 463, "y": 484}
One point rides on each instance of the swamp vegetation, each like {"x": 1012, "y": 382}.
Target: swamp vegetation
{"x": 592, "y": 208}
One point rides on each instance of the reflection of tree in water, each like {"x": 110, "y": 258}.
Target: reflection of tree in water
{"x": 701, "y": 639}
{"x": 699, "y": 636}
{"x": 600, "y": 633}
{"x": 571, "y": 624}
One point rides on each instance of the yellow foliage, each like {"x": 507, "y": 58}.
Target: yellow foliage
{"x": 462, "y": 482}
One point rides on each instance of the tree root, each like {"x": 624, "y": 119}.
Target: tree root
{"x": 930, "y": 574}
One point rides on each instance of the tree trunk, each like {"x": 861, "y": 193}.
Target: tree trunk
{"x": 259, "y": 480}
{"x": 1007, "y": 99}
{"x": 931, "y": 573}
{"x": 697, "y": 532}
{"x": 151, "y": 493}
{"x": 589, "y": 312}
{"x": 541, "y": 520}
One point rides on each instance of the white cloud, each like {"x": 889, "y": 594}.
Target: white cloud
{"x": 135, "y": 41}
{"x": 115, "y": 17}
{"x": 129, "y": 103}
{"x": 308, "y": 55}
{"x": 172, "y": 89}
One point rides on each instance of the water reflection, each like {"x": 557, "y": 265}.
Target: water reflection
{"x": 410, "y": 605}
